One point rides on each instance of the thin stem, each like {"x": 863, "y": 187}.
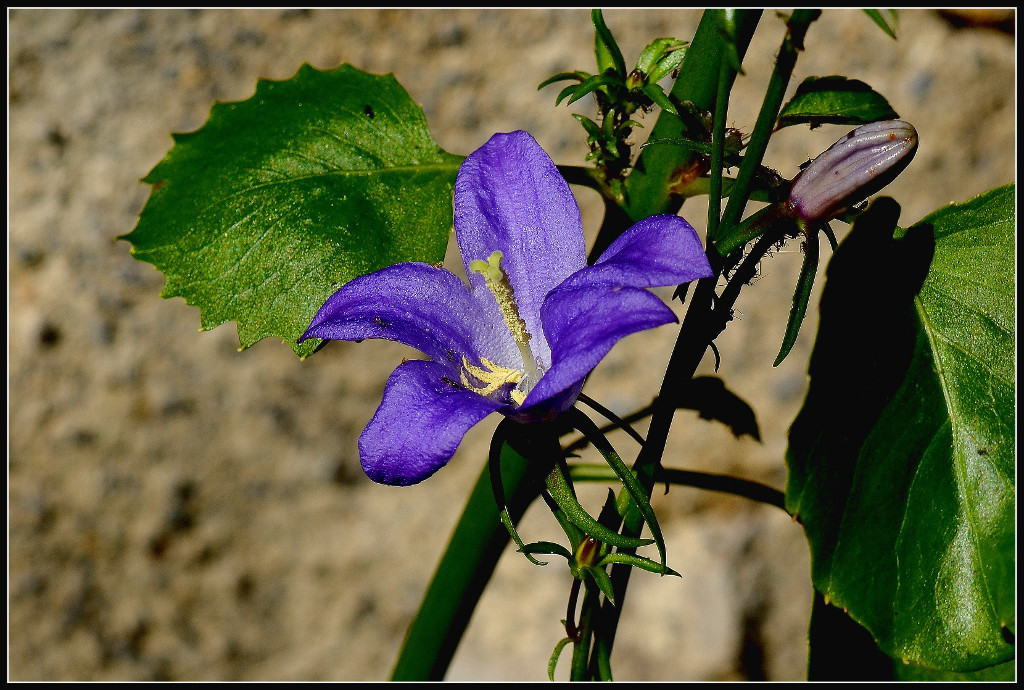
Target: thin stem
{"x": 582, "y": 643}
{"x": 705, "y": 319}
{"x": 791, "y": 45}
{"x": 725, "y": 78}
{"x": 723, "y": 483}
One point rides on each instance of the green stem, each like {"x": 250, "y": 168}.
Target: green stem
{"x": 653, "y": 185}
{"x": 792, "y": 44}
{"x": 705, "y": 320}
{"x": 465, "y": 568}
{"x": 723, "y": 483}
{"x": 725, "y": 79}
{"x": 581, "y": 647}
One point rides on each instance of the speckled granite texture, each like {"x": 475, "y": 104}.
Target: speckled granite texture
{"x": 179, "y": 510}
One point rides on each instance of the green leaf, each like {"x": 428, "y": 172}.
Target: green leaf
{"x": 835, "y": 100}
{"x": 801, "y": 295}
{"x": 605, "y": 48}
{"x": 277, "y": 201}
{"x": 1000, "y": 672}
{"x": 659, "y": 97}
{"x": 592, "y": 84}
{"x": 888, "y": 25}
{"x": 661, "y": 57}
{"x": 902, "y": 459}
{"x": 563, "y": 76}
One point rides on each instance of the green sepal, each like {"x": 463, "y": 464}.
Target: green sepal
{"x": 835, "y": 100}
{"x": 601, "y": 579}
{"x": 801, "y": 295}
{"x": 498, "y": 442}
{"x": 629, "y": 481}
{"x": 549, "y": 548}
{"x": 770, "y": 218}
{"x": 636, "y": 561}
{"x": 572, "y": 532}
{"x": 561, "y": 492}
{"x": 553, "y": 661}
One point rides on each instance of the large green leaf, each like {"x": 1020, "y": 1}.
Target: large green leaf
{"x": 278, "y": 200}
{"x": 902, "y": 459}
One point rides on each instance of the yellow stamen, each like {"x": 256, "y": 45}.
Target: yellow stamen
{"x": 497, "y": 283}
{"x": 494, "y": 376}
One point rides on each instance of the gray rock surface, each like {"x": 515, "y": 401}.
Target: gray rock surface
{"x": 179, "y": 510}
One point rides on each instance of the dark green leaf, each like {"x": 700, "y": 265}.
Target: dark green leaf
{"x": 279, "y": 200}
{"x": 835, "y": 100}
{"x": 902, "y": 459}
{"x": 886, "y": 24}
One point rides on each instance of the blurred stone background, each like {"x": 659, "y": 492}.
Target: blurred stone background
{"x": 179, "y": 510}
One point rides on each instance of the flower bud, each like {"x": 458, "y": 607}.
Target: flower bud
{"x": 852, "y": 169}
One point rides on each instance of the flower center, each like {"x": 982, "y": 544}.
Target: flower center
{"x": 494, "y": 375}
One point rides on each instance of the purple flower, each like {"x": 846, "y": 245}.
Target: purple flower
{"x": 533, "y": 322}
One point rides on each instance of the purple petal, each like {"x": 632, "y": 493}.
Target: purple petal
{"x": 582, "y": 325}
{"x": 419, "y": 424}
{"x": 659, "y": 250}
{"x": 428, "y": 308}
{"x": 509, "y": 196}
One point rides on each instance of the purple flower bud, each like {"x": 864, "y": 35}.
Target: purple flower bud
{"x": 853, "y": 168}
